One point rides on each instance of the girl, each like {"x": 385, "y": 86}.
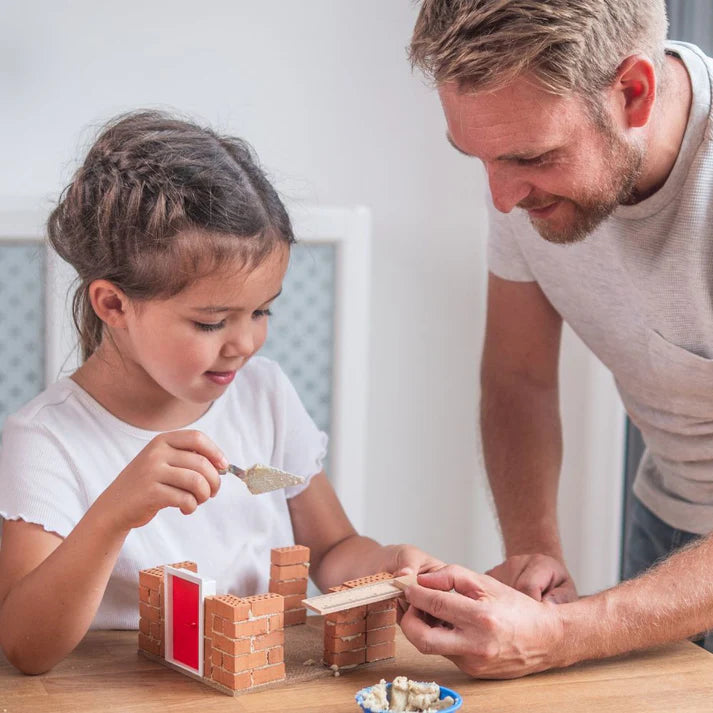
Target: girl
{"x": 181, "y": 245}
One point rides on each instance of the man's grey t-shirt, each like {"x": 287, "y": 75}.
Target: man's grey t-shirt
{"x": 639, "y": 293}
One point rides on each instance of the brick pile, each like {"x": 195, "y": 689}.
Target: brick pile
{"x": 244, "y": 640}
{"x": 361, "y": 634}
{"x": 289, "y": 570}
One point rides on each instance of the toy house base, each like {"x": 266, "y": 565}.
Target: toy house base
{"x": 302, "y": 643}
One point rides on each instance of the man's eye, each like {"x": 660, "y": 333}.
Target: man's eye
{"x": 534, "y": 161}
{"x": 258, "y": 313}
{"x": 209, "y": 326}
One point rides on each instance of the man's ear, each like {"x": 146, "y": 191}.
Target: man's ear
{"x": 109, "y": 303}
{"x": 635, "y": 89}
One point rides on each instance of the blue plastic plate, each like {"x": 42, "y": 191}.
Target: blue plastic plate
{"x": 444, "y": 692}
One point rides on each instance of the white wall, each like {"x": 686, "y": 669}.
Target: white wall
{"x": 323, "y": 91}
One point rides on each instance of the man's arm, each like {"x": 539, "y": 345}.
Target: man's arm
{"x": 494, "y": 631}
{"x": 521, "y": 431}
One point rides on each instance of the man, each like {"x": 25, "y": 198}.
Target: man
{"x": 597, "y": 142}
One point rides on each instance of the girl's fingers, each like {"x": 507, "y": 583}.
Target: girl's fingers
{"x": 191, "y": 440}
{"x": 198, "y": 463}
{"x": 188, "y": 481}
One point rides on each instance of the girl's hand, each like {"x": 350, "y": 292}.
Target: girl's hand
{"x": 176, "y": 469}
{"x": 407, "y": 559}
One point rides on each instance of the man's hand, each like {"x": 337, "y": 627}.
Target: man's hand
{"x": 486, "y": 628}
{"x": 541, "y": 577}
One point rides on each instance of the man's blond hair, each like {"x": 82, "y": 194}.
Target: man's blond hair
{"x": 569, "y": 45}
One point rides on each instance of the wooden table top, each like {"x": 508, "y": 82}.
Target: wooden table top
{"x": 105, "y": 673}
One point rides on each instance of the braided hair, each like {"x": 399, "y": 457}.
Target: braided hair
{"x": 157, "y": 203}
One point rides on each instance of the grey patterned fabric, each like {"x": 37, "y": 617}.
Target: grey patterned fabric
{"x": 301, "y": 336}
{"x": 21, "y": 324}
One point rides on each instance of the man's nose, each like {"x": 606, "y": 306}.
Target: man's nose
{"x": 506, "y": 188}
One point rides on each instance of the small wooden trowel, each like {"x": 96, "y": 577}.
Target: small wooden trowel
{"x": 263, "y": 478}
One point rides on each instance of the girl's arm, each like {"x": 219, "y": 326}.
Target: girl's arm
{"x": 337, "y": 551}
{"x": 50, "y": 588}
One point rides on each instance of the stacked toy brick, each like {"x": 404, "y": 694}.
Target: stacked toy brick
{"x": 151, "y": 607}
{"x": 361, "y": 634}
{"x": 244, "y": 640}
{"x": 289, "y": 570}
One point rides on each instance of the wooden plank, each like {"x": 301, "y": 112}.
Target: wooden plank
{"x": 358, "y": 596}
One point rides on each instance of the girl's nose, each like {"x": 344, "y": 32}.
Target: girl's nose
{"x": 239, "y": 345}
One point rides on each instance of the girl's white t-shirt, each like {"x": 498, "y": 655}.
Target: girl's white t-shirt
{"x": 62, "y": 450}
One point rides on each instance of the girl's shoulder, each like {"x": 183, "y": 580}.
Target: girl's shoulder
{"x": 58, "y": 400}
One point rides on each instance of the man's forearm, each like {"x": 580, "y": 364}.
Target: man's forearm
{"x": 522, "y": 446}
{"x": 670, "y": 602}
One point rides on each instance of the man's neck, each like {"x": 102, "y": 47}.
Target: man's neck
{"x": 668, "y": 128}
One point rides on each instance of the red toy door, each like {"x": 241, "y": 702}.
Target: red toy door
{"x": 185, "y": 622}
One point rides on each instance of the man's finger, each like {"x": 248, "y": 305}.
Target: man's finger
{"x": 430, "y": 639}
{"x": 452, "y": 607}
{"x": 462, "y": 580}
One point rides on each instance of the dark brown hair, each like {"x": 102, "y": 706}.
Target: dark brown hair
{"x": 157, "y": 203}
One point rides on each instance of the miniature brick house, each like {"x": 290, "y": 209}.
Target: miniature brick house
{"x": 237, "y": 643}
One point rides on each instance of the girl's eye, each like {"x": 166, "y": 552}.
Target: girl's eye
{"x": 209, "y": 326}
{"x": 258, "y": 313}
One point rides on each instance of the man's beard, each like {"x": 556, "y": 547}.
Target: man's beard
{"x": 591, "y": 211}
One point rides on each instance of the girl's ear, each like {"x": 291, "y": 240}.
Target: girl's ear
{"x": 109, "y": 303}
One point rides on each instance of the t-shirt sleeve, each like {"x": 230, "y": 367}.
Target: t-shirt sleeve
{"x": 37, "y": 481}
{"x": 300, "y": 447}
{"x": 505, "y": 258}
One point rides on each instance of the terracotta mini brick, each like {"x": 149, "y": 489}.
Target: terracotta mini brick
{"x": 276, "y": 622}
{"x": 276, "y": 655}
{"x": 345, "y": 629}
{"x": 386, "y": 650}
{"x": 294, "y": 601}
{"x": 216, "y": 657}
{"x": 151, "y": 578}
{"x": 233, "y": 681}
{"x": 144, "y": 626}
{"x": 246, "y": 662}
{"x": 297, "y": 554}
{"x": 289, "y": 586}
{"x": 268, "y": 674}
{"x": 380, "y": 636}
{"x": 229, "y": 607}
{"x": 345, "y": 658}
{"x": 241, "y": 629}
{"x": 146, "y": 643}
{"x": 154, "y": 598}
{"x": 347, "y": 615}
{"x": 191, "y": 566}
{"x": 385, "y": 605}
{"x": 371, "y": 579}
{"x": 148, "y": 612}
{"x": 347, "y": 643}
{"x": 295, "y": 616}
{"x": 234, "y": 647}
{"x": 264, "y": 604}
{"x": 290, "y": 571}
{"x": 267, "y": 641}
{"x": 156, "y": 630}
{"x": 144, "y": 594}
{"x": 377, "y": 620}
{"x": 214, "y": 624}
{"x": 338, "y": 588}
